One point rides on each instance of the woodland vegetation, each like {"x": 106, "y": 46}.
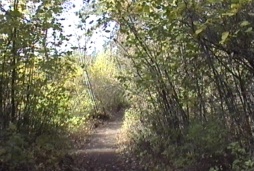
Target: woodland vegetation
{"x": 182, "y": 69}
{"x": 48, "y": 96}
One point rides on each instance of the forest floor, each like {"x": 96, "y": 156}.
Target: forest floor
{"x": 101, "y": 151}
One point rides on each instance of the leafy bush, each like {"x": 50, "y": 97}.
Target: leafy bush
{"x": 242, "y": 159}
{"x": 208, "y": 137}
{"x": 38, "y": 139}
{"x": 108, "y": 91}
{"x": 205, "y": 143}
{"x": 13, "y": 151}
{"x": 20, "y": 152}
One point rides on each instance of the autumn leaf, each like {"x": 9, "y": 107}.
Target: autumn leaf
{"x": 224, "y": 37}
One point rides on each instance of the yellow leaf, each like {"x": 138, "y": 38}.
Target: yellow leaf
{"x": 244, "y": 23}
{"x": 248, "y": 30}
{"x": 200, "y": 30}
{"x": 224, "y": 37}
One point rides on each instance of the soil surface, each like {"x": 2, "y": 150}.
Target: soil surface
{"x": 101, "y": 152}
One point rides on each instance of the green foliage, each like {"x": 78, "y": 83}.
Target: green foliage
{"x": 40, "y": 139}
{"x": 243, "y": 160}
{"x": 190, "y": 62}
{"x": 188, "y": 74}
{"x": 18, "y": 152}
{"x": 38, "y": 84}
{"x": 13, "y": 151}
{"x": 208, "y": 137}
{"x": 131, "y": 120}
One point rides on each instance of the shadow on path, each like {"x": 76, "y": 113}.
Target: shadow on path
{"x": 101, "y": 152}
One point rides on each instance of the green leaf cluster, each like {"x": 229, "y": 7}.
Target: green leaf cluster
{"x": 191, "y": 62}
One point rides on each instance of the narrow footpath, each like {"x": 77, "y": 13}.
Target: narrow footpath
{"x": 101, "y": 152}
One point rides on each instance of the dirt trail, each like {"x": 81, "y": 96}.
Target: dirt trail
{"x": 101, "y": 152}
